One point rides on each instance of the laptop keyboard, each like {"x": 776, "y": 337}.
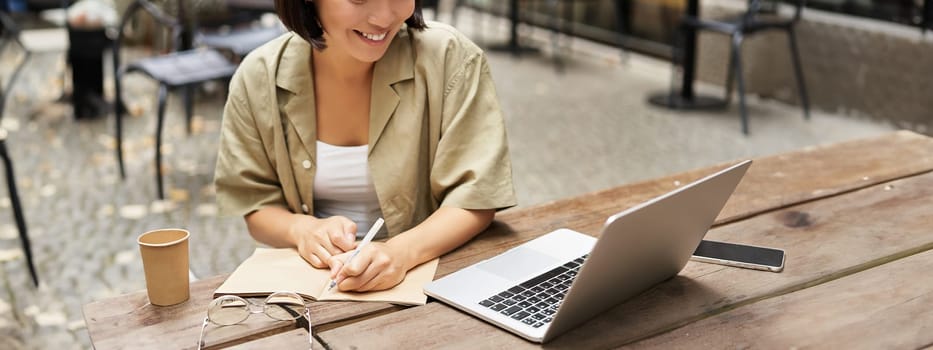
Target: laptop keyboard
{"x": 535, "y": 301}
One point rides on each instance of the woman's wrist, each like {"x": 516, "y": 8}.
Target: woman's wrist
{"x": 297, "y": 227}
{"x": 404, "y": 251}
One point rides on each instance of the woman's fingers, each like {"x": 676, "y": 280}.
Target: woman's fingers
{"x": 357, "y": 280}
{"x": 375, "y": 283}
{"x": 336, "y": 263}
{"x": 357, "y": 268}
{"x": 372, "y": 269}
{"x": 316, "y": 261}
{"x": 323, "y": 256}
{"x": 328, "y": 245}
{"x": 342, "y": 239}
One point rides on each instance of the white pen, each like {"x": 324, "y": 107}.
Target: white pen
{"x": 366, "y": 239}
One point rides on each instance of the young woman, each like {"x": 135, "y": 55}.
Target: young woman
{"x": 364, "y": 111}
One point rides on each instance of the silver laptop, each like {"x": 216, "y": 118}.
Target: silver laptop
{"x": 553, "y": 283}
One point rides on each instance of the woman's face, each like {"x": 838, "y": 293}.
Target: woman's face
{"x": 362, "y": 29}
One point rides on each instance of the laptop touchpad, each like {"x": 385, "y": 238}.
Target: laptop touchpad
{"x": 518, "y": 264}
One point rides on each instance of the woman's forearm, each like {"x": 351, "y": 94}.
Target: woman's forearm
{"x": 446, "y": 229}
{"x": 273, "y": 226}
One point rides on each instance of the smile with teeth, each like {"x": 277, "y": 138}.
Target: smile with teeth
{"x": 373, "y": 37}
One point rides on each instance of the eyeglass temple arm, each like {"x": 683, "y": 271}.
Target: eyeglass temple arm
{"x": 201, "y": 337}
{"x": 310, "y": 335}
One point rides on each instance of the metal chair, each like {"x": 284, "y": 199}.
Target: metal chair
{"x": 245, "y": 33}
{"x": 757, "y": 18}
{"x": 11, "y": 34}
{"x": 239, "y": 42}
{"x": 17, "y": 207}
{"x": 182, "y": 69}
{"x": 562, "y": 19}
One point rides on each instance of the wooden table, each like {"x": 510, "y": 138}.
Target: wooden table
{"x": 855, "y": 218}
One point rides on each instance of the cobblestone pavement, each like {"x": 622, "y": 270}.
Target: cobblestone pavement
{"x": 590, "y": 123}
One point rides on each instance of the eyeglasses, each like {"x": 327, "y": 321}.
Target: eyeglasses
{"x": 228, "y": 310}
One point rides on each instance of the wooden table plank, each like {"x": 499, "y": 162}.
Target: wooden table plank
{"x": 130, "y": 322}
{"x": 828, "y": 239}
{"x": 772, "y": 182}
{"x": 294, "y": 339}
{"x": 887, "y": 307}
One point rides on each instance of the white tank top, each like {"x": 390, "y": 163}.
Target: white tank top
{"x": 342, "y": 186}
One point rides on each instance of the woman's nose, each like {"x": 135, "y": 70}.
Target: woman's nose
{"x": 382, "y": 14}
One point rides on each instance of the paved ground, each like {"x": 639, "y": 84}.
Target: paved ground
{"x": 584, "y": 130}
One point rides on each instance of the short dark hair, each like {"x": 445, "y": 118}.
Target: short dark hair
{"x": 301, "y": 17}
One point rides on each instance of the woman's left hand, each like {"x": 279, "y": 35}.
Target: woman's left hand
{"x": 378, "y": 266}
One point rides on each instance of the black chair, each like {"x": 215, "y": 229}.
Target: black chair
{"x": 760, "y": 16}
{"x": 240, "y": 32}
{"x": 239, "y": 42}
{"x": 11, "y": 34}
{"x": 185, "y": 69}
{"x": 17, "y": 207}
{"x": 562, "y": 15}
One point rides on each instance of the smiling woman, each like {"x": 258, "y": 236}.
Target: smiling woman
{"x": 364, "y": 18}
{"x": 364, "y": 111}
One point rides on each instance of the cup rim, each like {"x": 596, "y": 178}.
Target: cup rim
{"x": 140, "y": 242}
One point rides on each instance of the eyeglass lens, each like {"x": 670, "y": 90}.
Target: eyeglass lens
{"x": 284, "y": 306}
{"x": 227, "y": 310}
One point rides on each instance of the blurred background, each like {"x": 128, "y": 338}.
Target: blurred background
{"x": 596, "y": 94}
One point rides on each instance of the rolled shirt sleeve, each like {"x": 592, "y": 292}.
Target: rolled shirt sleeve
{"x": 472, "y": 168}
{"x": 245, "y": 176}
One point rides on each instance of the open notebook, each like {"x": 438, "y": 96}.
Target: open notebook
{"x": 271, "y": 270}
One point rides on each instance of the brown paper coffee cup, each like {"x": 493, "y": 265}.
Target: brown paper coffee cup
{"x": 165, "y": 261}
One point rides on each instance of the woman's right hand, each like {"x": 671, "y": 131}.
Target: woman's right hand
{"x": 319, "y": 239}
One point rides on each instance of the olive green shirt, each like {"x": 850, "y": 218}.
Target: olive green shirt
{"x": 436, "y": 133}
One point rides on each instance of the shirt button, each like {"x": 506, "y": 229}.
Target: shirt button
{"x": 304, "y": 208}
{"x": 306, "y": 164}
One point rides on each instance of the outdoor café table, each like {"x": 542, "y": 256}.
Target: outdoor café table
{"x": 513, "y": 45}
{"x": 687, "y": 98}
{"x": 927, "y": 22}
{"x": 855, "y": 219}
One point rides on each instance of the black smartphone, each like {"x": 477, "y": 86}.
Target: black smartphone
{"x": 739, "y": 255}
